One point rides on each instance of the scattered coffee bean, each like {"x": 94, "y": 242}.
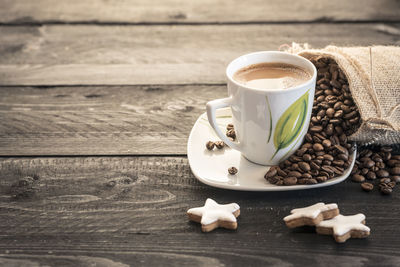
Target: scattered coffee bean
{"x": 386, "y": 190}
{"x": 210, "y": 145}
{"x": 395, "y": 178}
{"x": 367, "y": 186}
{"x": 358, "y": 178}
{"x": 219, "y": 144}
{"x": 377, "y": 162}
{"x": 232, "y": 170}
{"x": 231, "y": 133}
{"x": 229, "y": 126}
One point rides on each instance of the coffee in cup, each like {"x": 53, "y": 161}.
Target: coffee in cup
{"x": 271, "y": 75}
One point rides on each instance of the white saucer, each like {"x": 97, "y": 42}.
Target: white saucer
{"x": 211, "y": 167}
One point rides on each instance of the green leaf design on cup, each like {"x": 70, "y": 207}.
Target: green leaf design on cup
{"x": 290, "y": 123}
{"x": 270, "y": 119}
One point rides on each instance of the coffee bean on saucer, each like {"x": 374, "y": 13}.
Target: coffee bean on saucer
{"x": 210, "y": 145}
{"x": 231, "y": 133}
{"x": 219, "y": 144}
{"x": 312, "y": 181}
{"x": 367, "y": 186}
{"x": 229, "y": 126}
{"x": 275, "y": 179}
{"x": 304, "y": 166}
{"x": 271, "y": 172}
{"x": 232, "y": 170}
{"x": 291, "y": 180}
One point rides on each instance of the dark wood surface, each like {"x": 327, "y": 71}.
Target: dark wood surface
{"x": 97, "y": 99}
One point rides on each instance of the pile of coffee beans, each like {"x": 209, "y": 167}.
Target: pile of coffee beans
{"x": 325, "y": 152}
{"x": 379, "y": 166}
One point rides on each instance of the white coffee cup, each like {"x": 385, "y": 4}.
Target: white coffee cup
{"x": 270, "y": 124}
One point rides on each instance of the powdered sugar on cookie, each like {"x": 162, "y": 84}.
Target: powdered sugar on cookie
{"x": 311, "y": 212}
{"x": 213, "y": 215}
{"x": 341, "y": 224}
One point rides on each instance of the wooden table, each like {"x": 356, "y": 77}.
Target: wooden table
{"x": 97, "y": 100}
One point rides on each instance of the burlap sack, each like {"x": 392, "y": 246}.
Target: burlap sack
{"x": 374, "y": 80}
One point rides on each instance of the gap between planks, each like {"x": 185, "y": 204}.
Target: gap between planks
{"x": 226, "y": 23}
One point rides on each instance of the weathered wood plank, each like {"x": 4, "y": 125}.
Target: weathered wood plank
{"x": 118, "y": 120}
{"x": 131, "y": 210}
{"x": 68, "y": 55}
{"x": 208, "y": 11}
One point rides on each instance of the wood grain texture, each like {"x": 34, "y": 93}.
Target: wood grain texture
{"x": 131, "y": 210}
{"x": 117, "y": 120}
{"x": 207, "y": 11}
{"x": 70, "y": 55}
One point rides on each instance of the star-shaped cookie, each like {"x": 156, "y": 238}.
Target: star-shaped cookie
{"x": 311, "y": 215}
{"x": 213, "y": 215}
{"x": 344, "y": 227}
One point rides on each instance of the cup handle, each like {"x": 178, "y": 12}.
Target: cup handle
{"x": 212, "y": 107}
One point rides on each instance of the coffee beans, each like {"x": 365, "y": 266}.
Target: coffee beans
{"x": 290, "y": 180}
{"x": 385, "y": 189}
{"x": 358, "y": 178}
{"x": 210, "y": 145}
{"x": 377, "y": 164}
{"x": 367, "y": 186}
{"x": 271, "y": 173}
{"x": 395, "y": 171}
{"x": 325, "y": 151}
{"x": 304, "y": 166}
{"x": 219, "y": 144}
{"x": 230, "y": 131}
{"x": 382, "y": 173}
{"x": 232, "y": 170}
{"x": 318, "y": 147}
